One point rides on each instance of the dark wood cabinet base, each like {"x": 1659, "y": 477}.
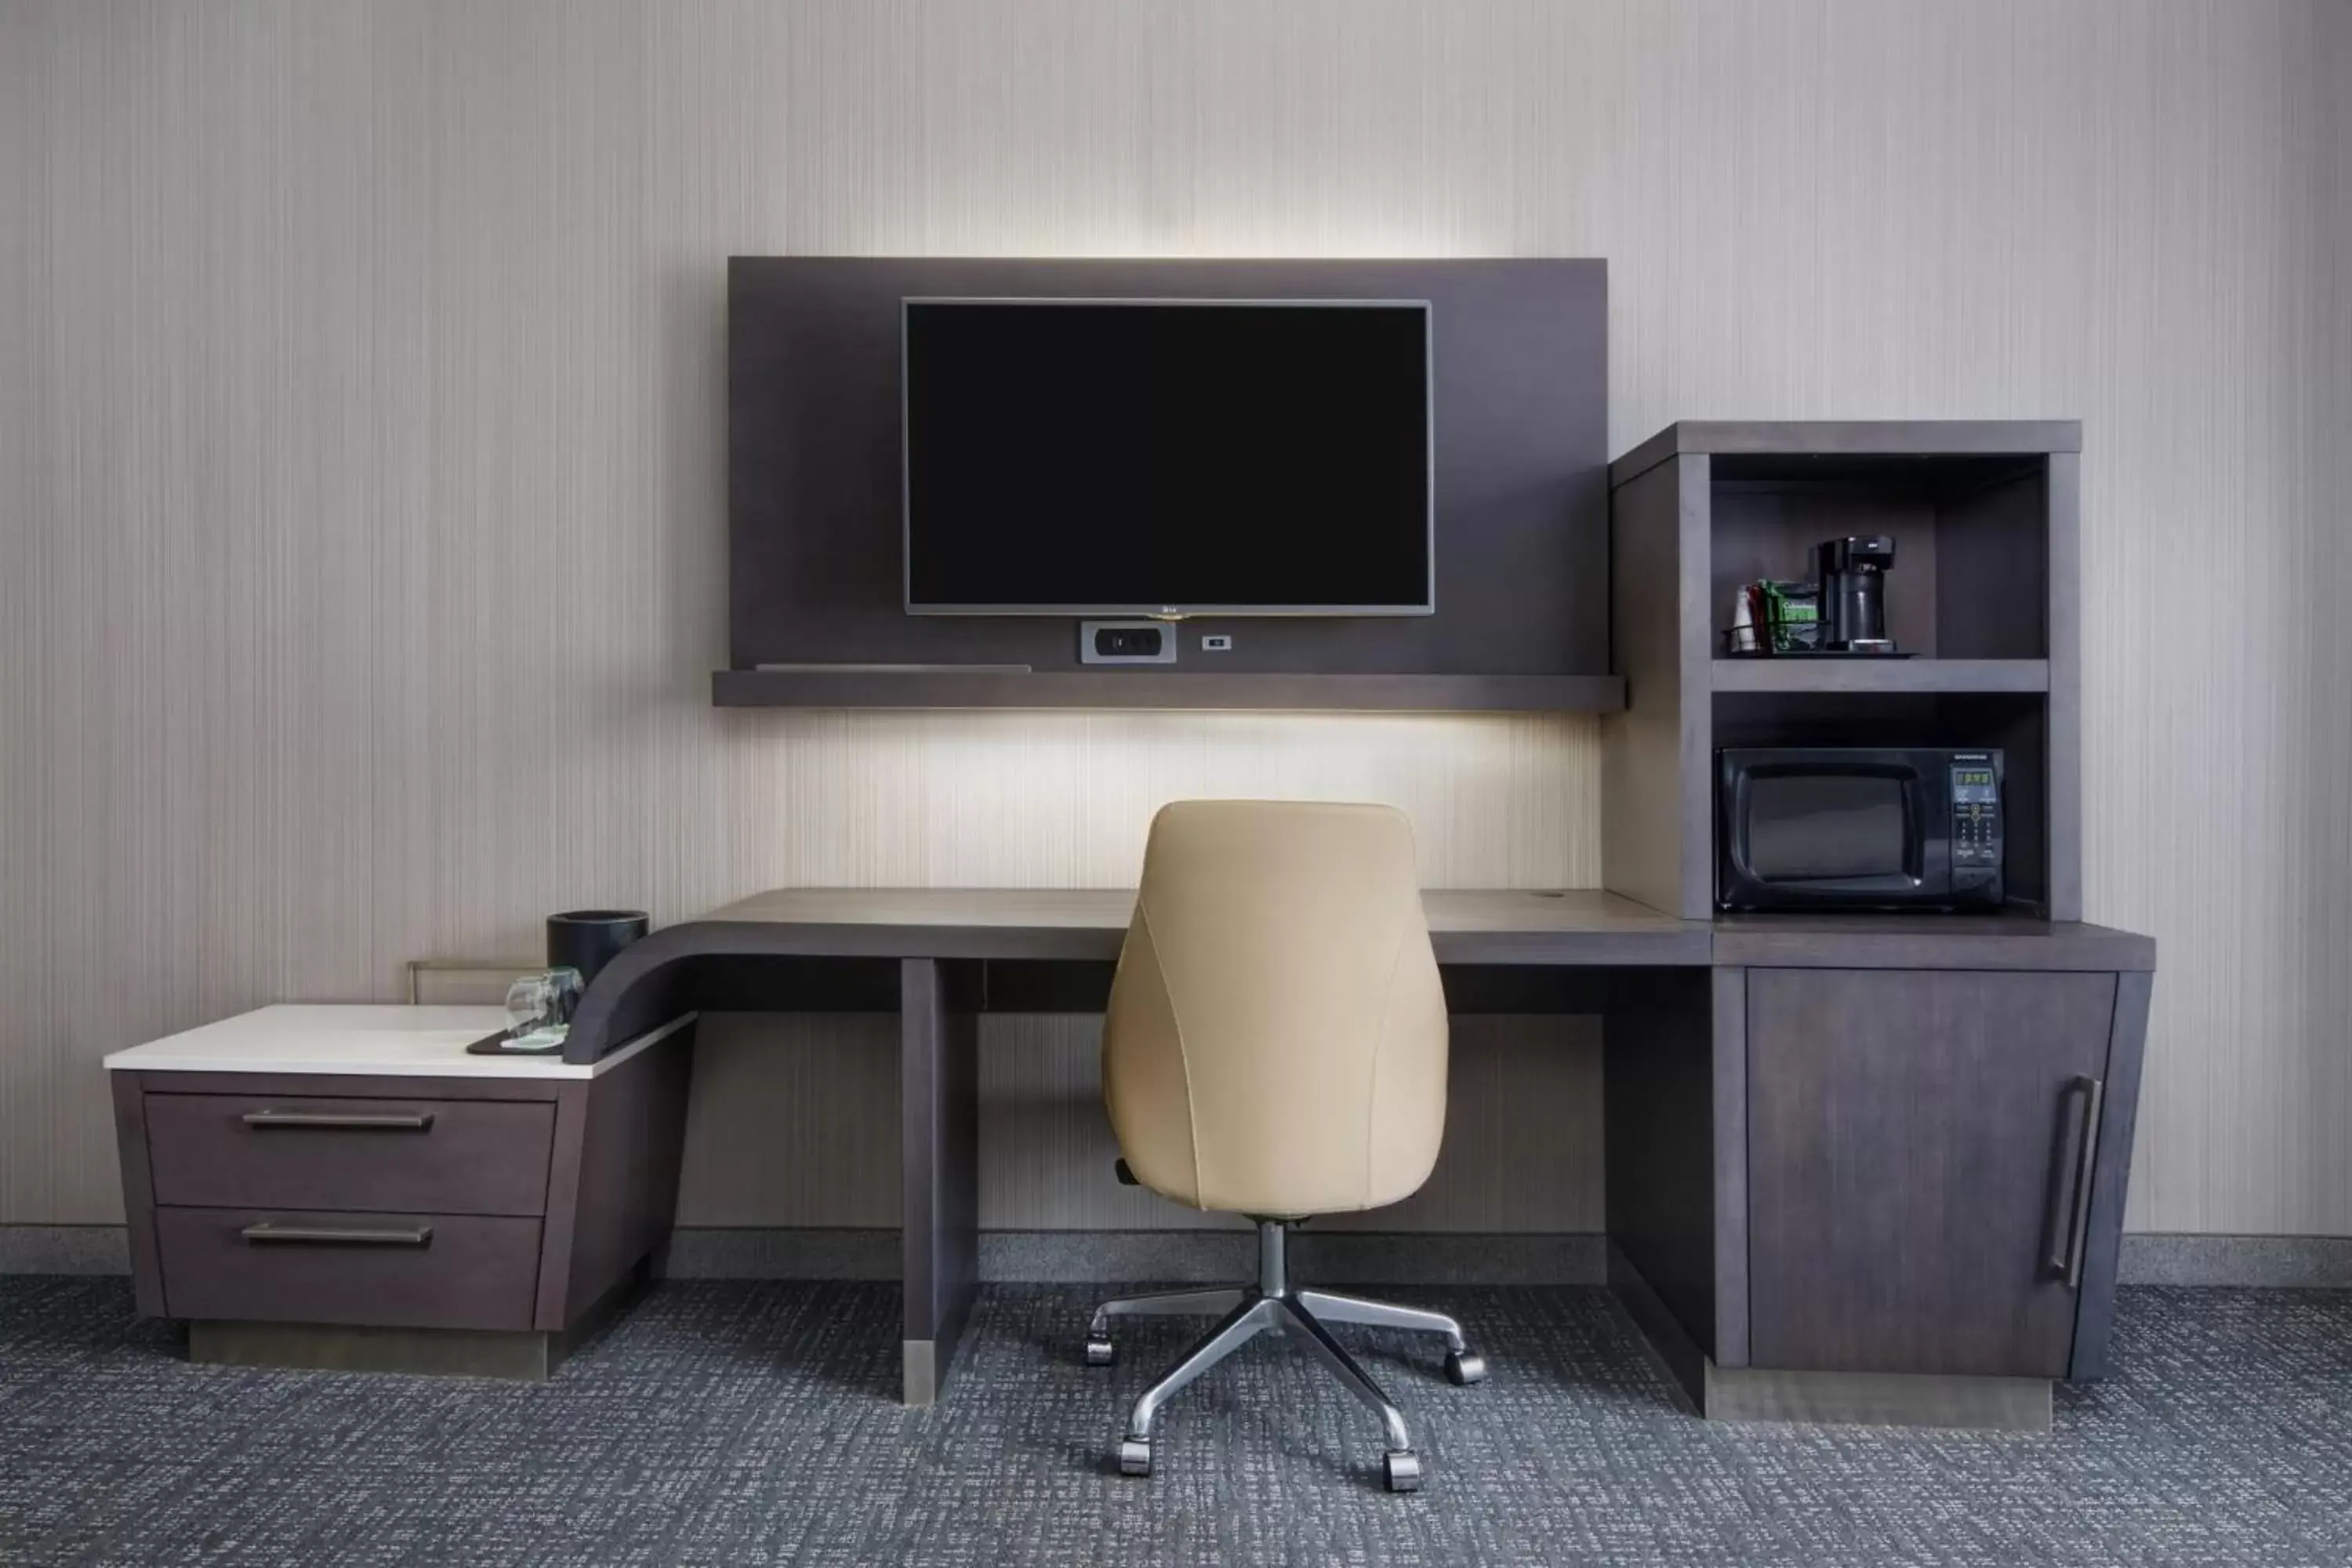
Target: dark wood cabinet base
{"x": 529, "y": 1355}
{"x": 1886, "y": 1196}
{"x": 526, "y": 1354}
{"x": 1851, "y": 1398}
{"x": 1877, "y": 1398}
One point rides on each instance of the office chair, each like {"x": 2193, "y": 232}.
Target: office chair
{"x": 1275, "y": 1048}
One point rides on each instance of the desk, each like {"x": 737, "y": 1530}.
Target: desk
{"x": 939, "y": 958}
{"x": 1767, "y": 1081}
{"x": 1468, "y": 926}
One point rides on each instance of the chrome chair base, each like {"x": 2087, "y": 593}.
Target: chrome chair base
{"x": 1272, "y": 1304}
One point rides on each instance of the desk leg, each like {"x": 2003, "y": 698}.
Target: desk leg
{"x": 938, "y": 1033}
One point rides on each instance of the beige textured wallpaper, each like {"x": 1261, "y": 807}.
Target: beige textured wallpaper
{"x": 361, "y": 485}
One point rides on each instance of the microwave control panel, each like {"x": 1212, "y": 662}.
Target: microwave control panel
{"x": 1976, "y": 820}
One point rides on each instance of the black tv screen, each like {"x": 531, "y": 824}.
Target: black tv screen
{"x": 1116, "y": 457}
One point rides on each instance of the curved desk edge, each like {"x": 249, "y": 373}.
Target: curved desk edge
{"x": 678, "y": 968}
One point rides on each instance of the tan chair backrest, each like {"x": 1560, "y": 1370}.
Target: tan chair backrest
{"x": 1276, "y": 1043}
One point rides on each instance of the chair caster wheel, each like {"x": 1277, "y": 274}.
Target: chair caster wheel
{"x": 1134, "y": 1458}
{"x": 1100, "y": 1352}
{"x": 1465, "y": 1367}
{"x": 1401, "y": 1470}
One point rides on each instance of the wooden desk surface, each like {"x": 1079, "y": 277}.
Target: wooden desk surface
{"x": 1466, "y": 925}
{"x": 1923, "y": 940}
{"x": 1503, "y": 926}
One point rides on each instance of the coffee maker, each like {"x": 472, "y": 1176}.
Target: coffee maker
{"x": 1852, "y": 577}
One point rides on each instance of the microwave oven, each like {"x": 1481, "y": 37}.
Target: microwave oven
{"x": 1857, "y": 828}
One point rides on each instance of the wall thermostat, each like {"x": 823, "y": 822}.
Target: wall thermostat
{"x": 1126, "y": 642}
{"x": 1216, "y": 642}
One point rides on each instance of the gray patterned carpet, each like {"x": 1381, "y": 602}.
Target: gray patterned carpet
{"x": 754, "y": 1422}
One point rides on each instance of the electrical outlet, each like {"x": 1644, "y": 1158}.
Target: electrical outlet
{"x": 1126, "y": 642}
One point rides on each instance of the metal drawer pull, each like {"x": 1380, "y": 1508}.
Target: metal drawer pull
{"x": 348, "y": 1121}
{"x": 334, "y": 1235}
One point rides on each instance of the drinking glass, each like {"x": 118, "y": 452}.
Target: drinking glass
{"x": 539, "y": 1007}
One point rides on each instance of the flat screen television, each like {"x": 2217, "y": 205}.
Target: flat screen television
{"x": 1168, "y": 456}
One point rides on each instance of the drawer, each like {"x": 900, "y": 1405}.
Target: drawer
{"x": 422, "y": 1156}
{"x": 388, "y": 1270}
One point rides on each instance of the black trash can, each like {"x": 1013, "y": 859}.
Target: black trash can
{"x": 586, "y": 939}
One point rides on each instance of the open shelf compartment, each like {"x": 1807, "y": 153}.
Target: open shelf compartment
{"x": 2016, "y": 723}
{"x": 1970, "y": 578}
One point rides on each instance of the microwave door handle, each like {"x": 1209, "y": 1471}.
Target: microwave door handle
{"x": 1916, "y": 833}
{"x": 1733, "y": 819}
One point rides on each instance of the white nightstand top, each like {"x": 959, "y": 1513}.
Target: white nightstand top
{"x": 360, "y": 1040}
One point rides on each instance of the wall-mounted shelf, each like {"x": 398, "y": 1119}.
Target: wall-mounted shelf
{"x": 1882, "y": 675}
{"x": 1131, "y": 689}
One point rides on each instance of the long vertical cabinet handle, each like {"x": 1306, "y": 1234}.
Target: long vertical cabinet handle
{"x": 2094, "y": 1096}
{"x": 2066, "y": 1160}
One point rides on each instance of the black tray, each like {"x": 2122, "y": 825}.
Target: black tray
{"x": 502, "y": 1045}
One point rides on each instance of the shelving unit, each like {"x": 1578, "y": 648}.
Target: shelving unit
{"x": 1983, "y": 590}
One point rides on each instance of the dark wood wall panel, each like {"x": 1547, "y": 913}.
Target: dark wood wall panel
{"x": 1521, "y": 389}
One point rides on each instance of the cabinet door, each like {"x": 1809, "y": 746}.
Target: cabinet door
{"x": 1914, "y": 1140}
